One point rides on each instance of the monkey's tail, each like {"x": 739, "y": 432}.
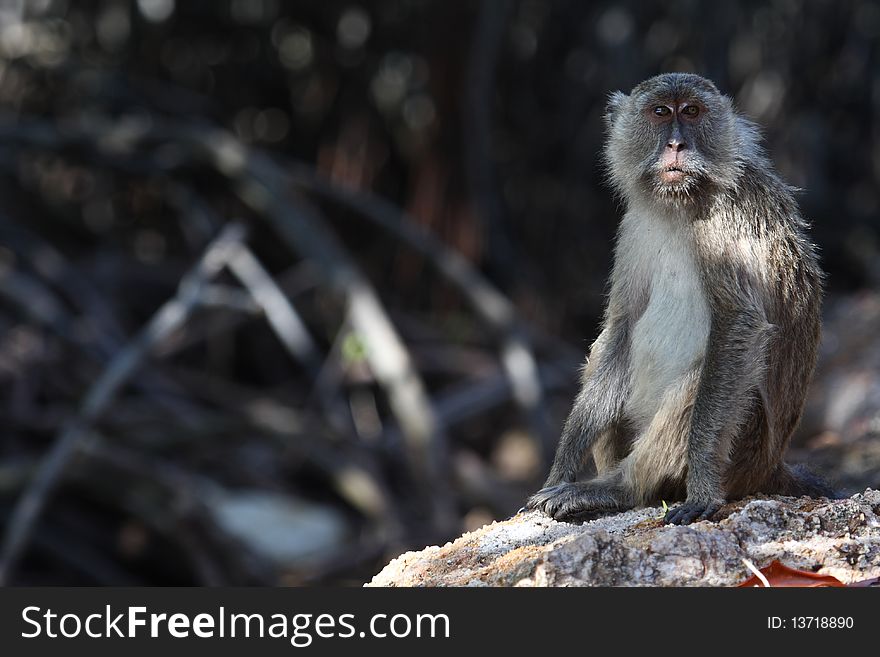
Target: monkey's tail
{"x": 798, "y": 480}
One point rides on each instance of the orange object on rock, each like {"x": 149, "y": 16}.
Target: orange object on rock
{"x": 780, "y": 575}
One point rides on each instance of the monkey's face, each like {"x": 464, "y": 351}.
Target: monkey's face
{"x": 672, "y": 138}
{"x": 675, "y": 122}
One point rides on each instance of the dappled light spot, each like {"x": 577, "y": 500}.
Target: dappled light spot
{"x": 156, "y": 11}
{"x": 353, "y": 28}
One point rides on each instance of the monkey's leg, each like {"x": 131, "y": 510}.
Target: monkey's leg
{"x": 598, "y": 404}
{"x": 611, "y": 446}
{"x": 732, "y": 372}
{"x": 657, "y": 462}
{"x": 608, "y": 451}
{"x": 570, "y": 501}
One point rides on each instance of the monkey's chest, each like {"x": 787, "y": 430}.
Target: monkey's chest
{"x": 670, "y": 337}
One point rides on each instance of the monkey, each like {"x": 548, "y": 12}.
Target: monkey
{"x": 697, "y": 380}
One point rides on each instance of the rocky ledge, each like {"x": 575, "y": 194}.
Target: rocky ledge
{"x": 832, "y": 537}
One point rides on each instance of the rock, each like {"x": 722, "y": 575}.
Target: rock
{"x": 634, "y": 548}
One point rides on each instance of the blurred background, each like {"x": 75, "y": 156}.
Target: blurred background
{"x": 289, "y": 288}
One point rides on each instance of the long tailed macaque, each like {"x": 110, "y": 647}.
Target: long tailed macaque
{"x": 697, "y": 381}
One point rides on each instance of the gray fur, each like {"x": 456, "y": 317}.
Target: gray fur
{"x": 698, "y": 378}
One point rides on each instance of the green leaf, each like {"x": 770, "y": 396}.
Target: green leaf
{"x": 665, "y": 509}
{"x": 354, "y": 349}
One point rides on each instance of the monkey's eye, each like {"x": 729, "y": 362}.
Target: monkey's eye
{"x": 690, "y": 110}
{"x": 662, "y": 110}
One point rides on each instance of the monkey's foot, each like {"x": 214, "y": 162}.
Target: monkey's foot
{"x": 688, "y": 512}
{"x": 573, "y": 501}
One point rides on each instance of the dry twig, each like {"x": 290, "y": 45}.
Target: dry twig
{"x": 167, "y": 319}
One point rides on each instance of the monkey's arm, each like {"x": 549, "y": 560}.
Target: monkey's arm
{"x": 732, "y": 371}
{"x": 597, "y": 406}
{"x": 599, "y": 402}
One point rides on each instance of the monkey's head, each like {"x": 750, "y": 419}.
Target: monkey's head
{"x": 676, "y": 138}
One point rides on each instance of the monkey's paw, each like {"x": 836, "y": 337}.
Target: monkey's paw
{"x": 563, "y": 501}
{"x": 688, "y": 512}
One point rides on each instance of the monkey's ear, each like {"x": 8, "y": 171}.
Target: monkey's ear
{"x": 615, "y": 101}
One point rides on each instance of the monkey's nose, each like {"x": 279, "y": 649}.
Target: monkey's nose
{"x": 675, "y": 145}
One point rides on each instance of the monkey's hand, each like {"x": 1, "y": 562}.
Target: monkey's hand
{"x": 688, "y": 512}
{"x": 556, "y": 501}
{"x": 570, "y": 501}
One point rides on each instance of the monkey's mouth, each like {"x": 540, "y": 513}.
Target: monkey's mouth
{"x": 672, "y": 174}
